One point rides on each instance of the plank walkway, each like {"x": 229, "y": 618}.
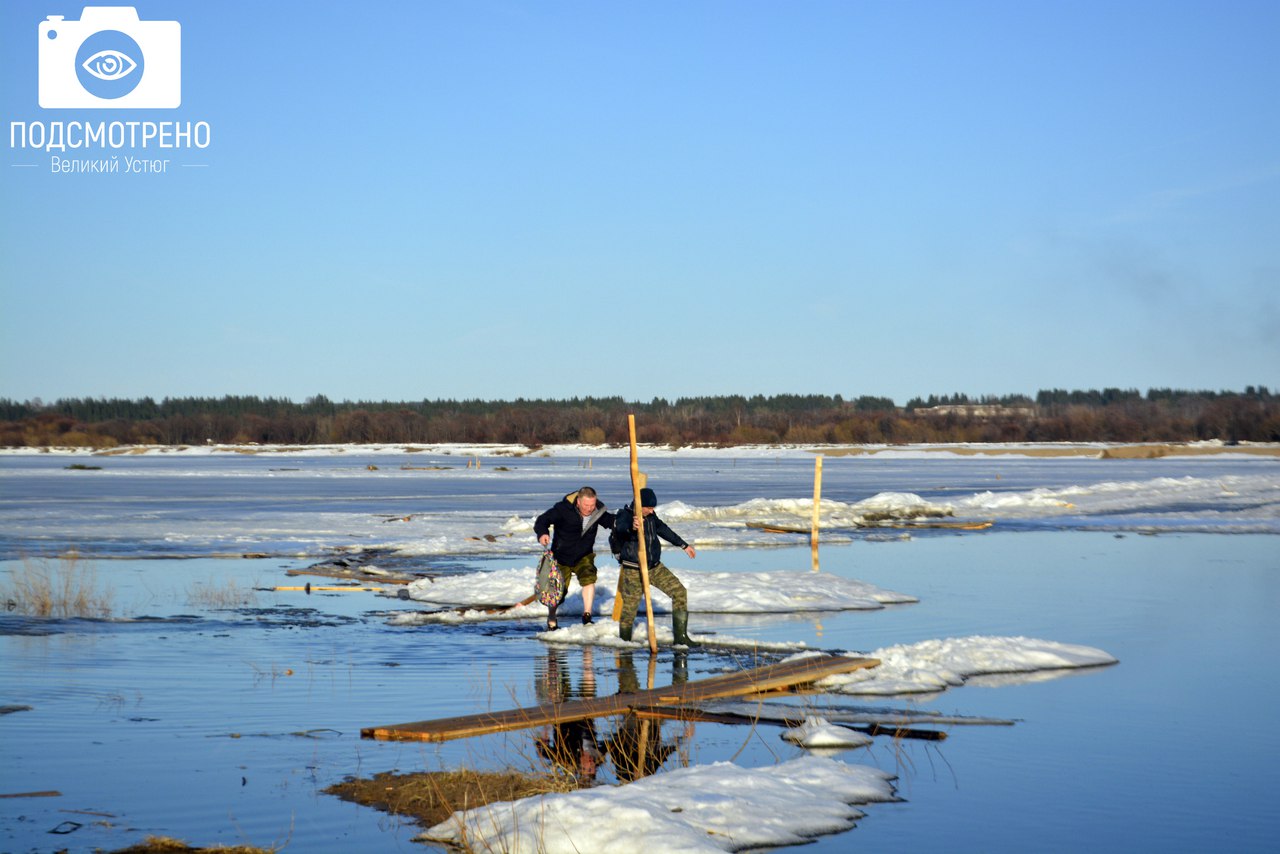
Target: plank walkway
{"x": 742, "y": 683}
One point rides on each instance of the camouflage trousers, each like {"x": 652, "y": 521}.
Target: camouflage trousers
{"x": 632, "y": 590}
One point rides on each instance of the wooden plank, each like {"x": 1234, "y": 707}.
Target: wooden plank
{"x": 951, "y": 524}
{"x": 799, "y": 672}
{"x": 352, "y": 575}
{"x": 344, "y": 589}
{"x": 955, "y": 525}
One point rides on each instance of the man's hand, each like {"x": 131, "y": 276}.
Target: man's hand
{"x": 545, "y": 540}
{"x": 690, "y": 552}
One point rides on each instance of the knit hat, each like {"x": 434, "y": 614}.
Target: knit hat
{"x": 648, "y": 498}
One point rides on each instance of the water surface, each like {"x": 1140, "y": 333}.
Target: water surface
{"x": 223, "y": 725}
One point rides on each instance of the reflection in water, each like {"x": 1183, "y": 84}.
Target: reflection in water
{"x": 636, "y": 746}
{"x": 570, "y": 747}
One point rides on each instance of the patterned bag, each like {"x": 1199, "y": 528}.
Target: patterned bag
{"x": 550, "y": 587}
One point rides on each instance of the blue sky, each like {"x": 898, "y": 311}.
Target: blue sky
{"x": 548, "y": 199}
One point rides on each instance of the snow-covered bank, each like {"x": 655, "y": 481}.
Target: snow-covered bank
{"x": 708, "y": 808}
{"x": 1226, "y": 504}
{"x": 718, "y": 592}
{"x": 464, "y": 450}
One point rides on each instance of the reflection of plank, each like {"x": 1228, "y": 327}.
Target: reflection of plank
{"x": 744, "y": 682}
{"x": 690, "y": 713}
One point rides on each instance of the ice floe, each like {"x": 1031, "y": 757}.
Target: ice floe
{"x": 707, "y": 808}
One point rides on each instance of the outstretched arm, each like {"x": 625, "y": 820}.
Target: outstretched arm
{"x": 672, "y": 537}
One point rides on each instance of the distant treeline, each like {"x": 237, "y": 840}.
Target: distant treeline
{"x": 1055, "y": 415}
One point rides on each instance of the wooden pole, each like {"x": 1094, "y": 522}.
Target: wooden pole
{"x": 636, "y": 474}
{"x": 817, "y": 506}
{"x": 637, "y": 483}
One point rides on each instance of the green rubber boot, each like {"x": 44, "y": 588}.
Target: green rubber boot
{"x": 625, "y": 630}
{"x": 628, "y": 682}
{"x": 680, "y": 628}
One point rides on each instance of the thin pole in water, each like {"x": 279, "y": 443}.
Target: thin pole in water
{"x": 817, "y": 507}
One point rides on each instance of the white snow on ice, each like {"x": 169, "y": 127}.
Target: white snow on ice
{"x": 722, "y": 592}
{"x": 934, "y": 665}
{"x": 707, "y": 808}
{"x": 818, "y": 733}
{"x": 1244, "y": 501}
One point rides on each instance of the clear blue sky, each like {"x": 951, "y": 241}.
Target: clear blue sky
{"x": 411, "y": 200}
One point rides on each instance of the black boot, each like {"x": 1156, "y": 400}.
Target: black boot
{"x": 552, "y": 622}
{"x": 625, "y": 630}
{"x": 680, "y": 628}
{"x": 628, "y": 682}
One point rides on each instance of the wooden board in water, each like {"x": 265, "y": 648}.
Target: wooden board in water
{"x": 738, "y": 684}
{"x": 351, "y": 574}
{"x": 953, "y": 524}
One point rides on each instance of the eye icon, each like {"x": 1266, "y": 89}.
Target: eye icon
{"x": 109, "y": 65}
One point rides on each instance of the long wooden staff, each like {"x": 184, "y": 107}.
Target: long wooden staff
{"x": 636, "y": 476}
{"x": 638, "y": 480}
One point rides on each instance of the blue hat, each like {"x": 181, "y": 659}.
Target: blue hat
{"x": 647, "y": 498}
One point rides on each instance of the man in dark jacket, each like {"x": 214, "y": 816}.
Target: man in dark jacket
{"x": 626, "y": 537}
{"x": 575, "y": 520}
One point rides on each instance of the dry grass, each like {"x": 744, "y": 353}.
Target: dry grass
{"x": 62, "y": 587}
{"x": 227, "y": 594}
{"x": 162, "y": 844}
{"x": 430, "y": 797}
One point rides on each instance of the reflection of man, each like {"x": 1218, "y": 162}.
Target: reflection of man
{"x": 575, "y": 519}
{"x": 636, "y": 746}
{"x": 570, "y": 747}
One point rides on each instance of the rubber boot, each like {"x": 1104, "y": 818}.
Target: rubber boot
{"x": 628, "y": 682}
{"x": 680, "y": 667}
{"x": 625, "y": 630}
{"x": 680, "y": 628}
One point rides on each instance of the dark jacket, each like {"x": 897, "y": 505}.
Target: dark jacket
{"x": 573, "y": 537}
{"x": 628, "y": 542}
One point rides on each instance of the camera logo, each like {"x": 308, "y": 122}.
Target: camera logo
{"x": 110, "y": 60}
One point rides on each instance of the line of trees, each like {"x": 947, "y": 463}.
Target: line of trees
{"x": 1056, "y": 415}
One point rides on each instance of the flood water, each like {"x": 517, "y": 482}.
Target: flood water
{"x": 223, "y": 722}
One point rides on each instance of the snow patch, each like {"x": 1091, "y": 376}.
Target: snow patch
{"x": 703, "y": 809}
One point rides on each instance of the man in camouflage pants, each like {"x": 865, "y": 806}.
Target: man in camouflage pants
{"x": 626, "y": 539}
